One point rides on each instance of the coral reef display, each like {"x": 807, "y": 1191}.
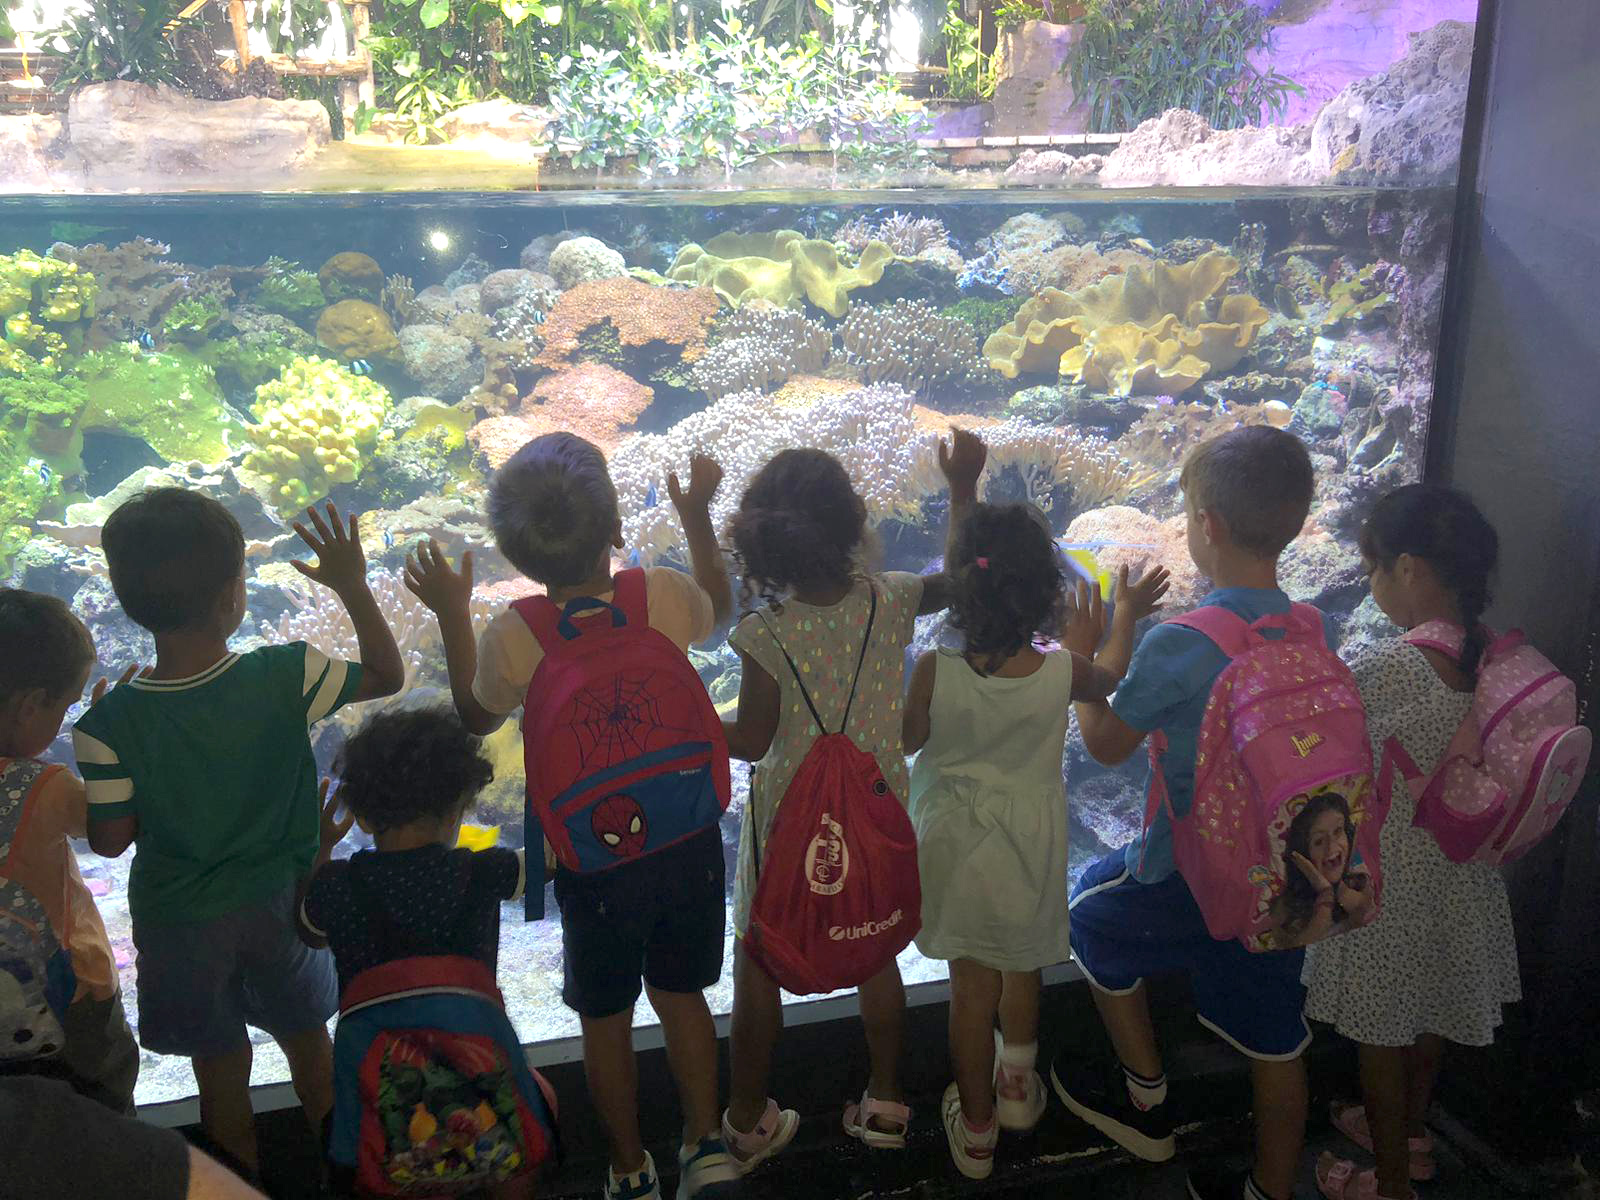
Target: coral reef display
{"x": 783, "y": 268}
{"x": 316, "y": 421}
{"x": 909, "y": 343}
{"x": 758, "y": 348}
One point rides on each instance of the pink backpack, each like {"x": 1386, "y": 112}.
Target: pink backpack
{"x": 1515, "y": 763}
{"x": 1283, "y": 739}
{"x": 838, "y": 896}
{"x": 625, "y": 752}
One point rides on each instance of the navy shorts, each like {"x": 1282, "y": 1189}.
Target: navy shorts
{"x": 1124, "y": 931}
{"x": 201, "y": 983}
{"x": 662, "y": 919}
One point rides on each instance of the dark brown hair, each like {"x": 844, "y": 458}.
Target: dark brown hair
{"x": 799, "y": 525}
{"x": 42, "y": 645}
{"x": 1300, "y": 896}
{"x": 1258, "y": 480}
{"x": 171, "y": 553}
{"x": 553, "y": 509}
{"x": 1007, "y": 579}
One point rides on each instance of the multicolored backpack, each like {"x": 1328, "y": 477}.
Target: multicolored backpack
{"x": 1283, "y": 742}
{"x": 839, "y": 895}
{"x": 433, "y": 1095}
{"x": 625, "y": 751}
{"x": 37, "y": 981}
{"x": 1513, "y": 766}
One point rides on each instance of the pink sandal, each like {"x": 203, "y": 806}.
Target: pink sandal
{"x": 1351, "y": 1120}
{"x": 1338, "y": 1179}
{"x": 772, "y": 1133}
{"x": 858, "y": 1118}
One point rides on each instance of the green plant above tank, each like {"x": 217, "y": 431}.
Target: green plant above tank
{"x": 118, "y": 39}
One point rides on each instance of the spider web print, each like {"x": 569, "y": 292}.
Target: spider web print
{"x": 621, "y": 718}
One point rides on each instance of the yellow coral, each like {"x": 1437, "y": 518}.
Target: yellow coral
{"x": 1153, "y": 330}
{"x": 782, "y": 266}
{"x": 317, "y": 421}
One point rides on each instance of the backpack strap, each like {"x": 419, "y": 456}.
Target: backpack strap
{"x": 866, "y": 640}
{"x": 1227, "y": 630}
{"x": 1442, "y": 636}
{"x": 24, "y": 776}
{"x": 552, "y": 625}
{"x": 631, "y": 594}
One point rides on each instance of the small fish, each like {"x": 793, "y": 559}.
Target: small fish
{"x": 1222, "y": 405}
{"x": 144, "y": 339}
{"x": 388, "y": 539}
{"x": 650, "y": 497}
{"x": 360, "y": 366}
{"x": 538, "y": 316}
{"x": 477, "y": 837}
{"x": 1143, "y": 244}
{"x": 1081, "y": 558}
{"x": 633, "y": 558}
{"x": 1288, "y": 304}
{"x": 45, "y": 474}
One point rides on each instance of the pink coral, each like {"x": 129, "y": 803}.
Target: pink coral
{"x": 1122, "y": 535}
{"x": 642, "y": 314}
{"x": 592, "y": 400}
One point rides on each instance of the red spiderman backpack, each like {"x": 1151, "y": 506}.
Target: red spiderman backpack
{"x": 624, "y": 749}
{"x": 838, "y": 895}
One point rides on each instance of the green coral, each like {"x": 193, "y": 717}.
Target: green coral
{"x": 25, "y": 488}
{"x": 170, "y": 400}
{"x": 985, "y": 316}
{"x": 45, "y": 304}
{"x": 318, "y": 423}
{"x": 42, "y": 412}
{"x": 784, "y": 267}
{"x": 291, "y": 292}
{"x": 245, "y": 362}
{"x": 1363, "y": 301}
{"x": 192, "y": 319}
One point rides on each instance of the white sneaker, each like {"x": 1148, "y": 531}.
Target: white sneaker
{"x": 643, "y": 1184}
{"x": 1017, "y": 1112}
{"x": 972, "y": 1153}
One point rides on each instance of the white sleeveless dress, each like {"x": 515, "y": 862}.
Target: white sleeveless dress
{"x": 990, "y": 810}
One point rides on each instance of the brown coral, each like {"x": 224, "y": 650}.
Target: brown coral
{"x": 1068, "y": 267}
{"x": 1162, "y": 435}
{"x": 358, "y": 329}
{"x": 592, "y": 400}
{"x": 642, "y": 314}
{"x": 351, "y": 273}
{"x": 1153, "y": 330}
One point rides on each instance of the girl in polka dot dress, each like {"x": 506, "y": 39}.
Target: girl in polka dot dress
{"x": 1441, "y": 959}
{"x": 799, "y": 538}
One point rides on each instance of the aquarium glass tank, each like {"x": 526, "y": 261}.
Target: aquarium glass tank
{"x": 389, "y": 353}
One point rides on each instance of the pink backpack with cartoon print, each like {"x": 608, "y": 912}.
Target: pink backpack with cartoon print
{"x": 1513, "y": 766}
{"x": 1284, "y": 729}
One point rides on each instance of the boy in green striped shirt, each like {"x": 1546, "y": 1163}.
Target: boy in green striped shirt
{"x": 204, "y": 761}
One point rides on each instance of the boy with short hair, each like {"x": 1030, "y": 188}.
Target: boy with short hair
{"x": 46, "y": 655}
{"x": 1247, "y": 494}
{"x": 205, "y": 761}
{"x": 554, "y": 512}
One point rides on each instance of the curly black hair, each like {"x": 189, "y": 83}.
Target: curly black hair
{"x": 1007, "y": 582}
{"x": 410, "y": 764}
{"x": 43, "y": 646}
{"x": 800, "y": 524}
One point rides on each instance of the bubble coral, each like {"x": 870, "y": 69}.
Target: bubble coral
{"x": 317, "y": 422}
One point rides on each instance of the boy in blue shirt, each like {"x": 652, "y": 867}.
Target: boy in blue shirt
{"x": 1246, "y": 494}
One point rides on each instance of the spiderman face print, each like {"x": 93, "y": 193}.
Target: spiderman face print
{"x": 619, "y": 825}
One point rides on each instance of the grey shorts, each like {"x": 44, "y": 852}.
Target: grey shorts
{"x": 201, "y": 983}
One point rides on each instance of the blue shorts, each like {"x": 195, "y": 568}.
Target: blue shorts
{"x": 1124, "y": 931}
{"x": 201, "y": 983}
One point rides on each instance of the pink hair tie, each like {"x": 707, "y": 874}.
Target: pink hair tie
{"x": 983, "y": 563}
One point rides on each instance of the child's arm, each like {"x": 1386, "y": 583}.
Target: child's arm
{"x": 961, "y": 460}
{"x": 449, "y": 594}
{"x": 694, "y": 510}
{"x": 919, "y": 703}
{"x": 753, "y": 727}
{"x": 331, "y": 833}
{"x": 1108, "y": 738}
{"x": 342, "y": 567}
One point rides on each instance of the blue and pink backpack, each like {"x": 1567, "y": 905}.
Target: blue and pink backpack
{"x": 625, "y": 752}
{"x": 1284, "y": 733}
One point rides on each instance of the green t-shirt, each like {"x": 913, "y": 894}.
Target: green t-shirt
{"x": 219, "y": 771}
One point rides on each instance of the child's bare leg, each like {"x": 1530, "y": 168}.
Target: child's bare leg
{"x": 757, "y": 1020}
{"x": 1383, "y": 1091}
{"x": 310, "y": 1055}
{"x": 1019, "y": 1007}
{"x": 613, "y": 1077}
{"x": 974, "y": 997}
{"x": 883, "y": 1013}
{"x": 524, "y": 1187}
{"x": 1422, "y": 1072}
{"x": 1281, "y": 1101}
{"x": 691, "y": 1039}
{"x": 225, "y": 1113}
{"x": 1133, "y": 1036}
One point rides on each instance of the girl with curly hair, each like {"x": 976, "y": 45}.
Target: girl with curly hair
{"x": 990, "y": 807}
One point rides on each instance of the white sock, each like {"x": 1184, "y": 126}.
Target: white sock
{"x": 1017, "y": 1059}
{"x": 1145, "y": 1093}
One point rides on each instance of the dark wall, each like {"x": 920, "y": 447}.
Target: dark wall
{"x": 1518, "y": 426}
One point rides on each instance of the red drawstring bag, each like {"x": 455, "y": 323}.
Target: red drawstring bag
{"x": 838, "y": 896}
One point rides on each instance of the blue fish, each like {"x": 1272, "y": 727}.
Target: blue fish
{"x": 633, "y": 558}
{"x": 1222, "y": 405}
{"x": 46, "y": 474}
{"x": 650, "y": 497}
{"x": 360, "y": 366}
{"x": 538, "y": 316}
{"x": 388, "y": 539}
{"x": 144, "y": 339}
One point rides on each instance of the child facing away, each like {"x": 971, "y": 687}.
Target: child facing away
{"x": 798, "y": 535}
{"x": 408, "y": 777}
{"x": 1246, "y": 495}
{"x": 990, "y": 807}
{"x": 46, "y": 655}
{"x": 553, "y": 509}
{"x": 204, "y": 761}
{"x": 1441, "y": 960}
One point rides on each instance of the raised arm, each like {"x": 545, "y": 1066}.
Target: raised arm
{"x": 694, "y": 510}
{"x": 961, "y": 460}
{"x": 448, "y": 593}
{"x": 1108, "y": 738}
{"x": 342, "y": 566}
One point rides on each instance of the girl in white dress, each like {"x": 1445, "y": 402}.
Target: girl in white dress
{"x": 1441, "y": 959}
{"x": 990, "y": 808}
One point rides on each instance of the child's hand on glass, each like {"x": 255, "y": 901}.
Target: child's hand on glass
{"x": 341, "y": 563}
{"x": 102, "y": 686}
{"x": 430, "y": 578}
{"x": 962, "y": 459}
{"x": 333, "y": 826}
{"x": 1084, "y": 626}
{"x": 1137, "y": 598}
{"x": 705, "y": 476}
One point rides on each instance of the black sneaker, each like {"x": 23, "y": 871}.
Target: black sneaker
{"x": 1100, "y": 1097}
{"x": 1215, "y": 1183}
